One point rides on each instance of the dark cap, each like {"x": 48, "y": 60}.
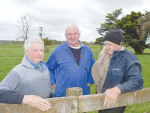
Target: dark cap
{"x": 114, "y": 35}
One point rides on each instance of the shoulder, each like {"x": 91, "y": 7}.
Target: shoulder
{"x": 17, "y": 68}
{"x": 129, "y": 55}
{"x": 59, "y": 49}
{"x": 87, "y": 48}
{"x": 61, "y": 46}
{"x": 130, "y": 59}
{"x": 21, "y": 69}
{"x": 12, "y": 76}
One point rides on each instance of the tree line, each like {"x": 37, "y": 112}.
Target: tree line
{"x": 134, "y": 26}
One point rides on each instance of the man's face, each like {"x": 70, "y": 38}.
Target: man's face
{"x": 110, "y": 47}
{"x": 36, "y": 53}
{"x": 72, "y": 36}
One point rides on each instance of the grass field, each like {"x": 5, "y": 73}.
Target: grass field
{"x": 12, "y": 54}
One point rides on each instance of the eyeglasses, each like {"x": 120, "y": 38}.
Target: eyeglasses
{"x": 72, "y": 34}
{"x": 37, "y": 50}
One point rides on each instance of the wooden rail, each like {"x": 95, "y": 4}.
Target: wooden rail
{"x": 79, "y": 104}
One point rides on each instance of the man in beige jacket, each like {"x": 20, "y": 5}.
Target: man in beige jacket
{"x": 117, "y": 70}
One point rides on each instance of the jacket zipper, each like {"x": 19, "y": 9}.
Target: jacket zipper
{"x": 81, "y": 56}
{"x": 74, "y": 58}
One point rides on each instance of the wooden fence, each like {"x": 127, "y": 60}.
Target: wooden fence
{"x": 74, "y": 103}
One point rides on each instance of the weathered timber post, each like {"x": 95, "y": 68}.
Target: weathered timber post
{"x": 75, "y": 91}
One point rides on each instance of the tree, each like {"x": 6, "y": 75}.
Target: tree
{"x": 144, "y": 23}
{"x": 135, "y": 28}
{"x": 24, "y": 24}
{"x": 47, "y": 41}
{"x": 132, "y": 31}
{"x": 98, "y": 40}
{"x": 111, "y": 20}
{"x": 56, "y": 42}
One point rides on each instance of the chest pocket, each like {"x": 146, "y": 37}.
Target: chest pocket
{"x": 118, "y": 73}
{"x": 65, "y": 64}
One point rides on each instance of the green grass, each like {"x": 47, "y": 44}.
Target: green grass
{"x": 12, "y": 54}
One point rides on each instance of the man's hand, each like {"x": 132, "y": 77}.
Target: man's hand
{"x": 53, "y": 87}
{"x": 88, "y": 84}
{"x": 36, "y": 102}
{"x": 111, "y": 96}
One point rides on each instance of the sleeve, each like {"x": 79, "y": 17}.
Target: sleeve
{"x": 133, "y": 79}
{"x": 7, "y": 89}
{"x": 10, "y": 97}
{"x": 90, "y": 78}
{"x": 51, "y": 64}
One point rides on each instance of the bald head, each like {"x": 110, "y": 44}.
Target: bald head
{"x": 72, "y": 35}
{"x": 72, "y": 27}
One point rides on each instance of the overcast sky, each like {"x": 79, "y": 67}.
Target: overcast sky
{"x": 55, "y": 15}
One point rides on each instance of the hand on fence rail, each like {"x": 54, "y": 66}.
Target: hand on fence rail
{"x": 111, "y": 96}
{"x": 36, "y": 102}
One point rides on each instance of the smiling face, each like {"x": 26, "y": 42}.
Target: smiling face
{"x": 110, "y": 47}
{"x": 36, "y": 52}
{"x": 72, "y": 35}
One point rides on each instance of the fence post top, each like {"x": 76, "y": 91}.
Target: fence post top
{"x": 74, "y": 91}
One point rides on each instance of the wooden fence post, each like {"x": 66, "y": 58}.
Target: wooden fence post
{"x": 75, "y": 91}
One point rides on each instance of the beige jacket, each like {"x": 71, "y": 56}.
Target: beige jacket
{"x": 99, "y": 69}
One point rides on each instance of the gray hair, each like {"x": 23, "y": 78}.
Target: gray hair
{"x": 28, "y": 42}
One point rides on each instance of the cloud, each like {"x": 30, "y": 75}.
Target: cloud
{"x": 55, "y": 15}
{"x": 25, "y": 2}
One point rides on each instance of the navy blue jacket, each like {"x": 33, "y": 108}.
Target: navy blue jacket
{"x": 124, "y": 71}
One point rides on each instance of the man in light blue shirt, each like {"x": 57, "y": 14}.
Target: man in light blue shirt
{"x": 28, "y": 82}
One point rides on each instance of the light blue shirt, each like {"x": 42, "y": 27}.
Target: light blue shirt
{"x": 43, "y": 65}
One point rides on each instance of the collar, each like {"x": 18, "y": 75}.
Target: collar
{"x": 66, "y": 46}
{"x": 81, "y": 45}
{"x": 75, "y": 47}
{"x": 116, "y": 53}
{"x": 36, "y": 66}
